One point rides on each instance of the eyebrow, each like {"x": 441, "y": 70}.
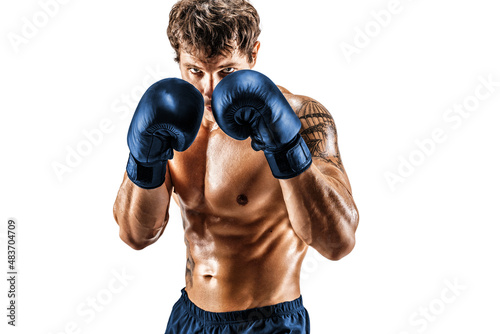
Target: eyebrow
{"x": 231, "y": 64}
{"x": 191, "y": 65}
{"x": 226, "y": 65}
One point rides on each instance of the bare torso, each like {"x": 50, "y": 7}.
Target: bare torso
{"x": 242, "y": 251}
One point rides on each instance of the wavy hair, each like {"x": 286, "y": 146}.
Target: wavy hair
{"x": 210, "y": 28}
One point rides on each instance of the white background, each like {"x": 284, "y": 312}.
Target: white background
{"x": 440, "y": 225}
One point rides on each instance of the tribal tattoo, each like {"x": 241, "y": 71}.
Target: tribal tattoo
{"x": 189, "y": 265}
{"x": 319, "y": 132}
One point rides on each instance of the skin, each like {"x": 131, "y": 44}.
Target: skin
{"x": 246, "y": 233}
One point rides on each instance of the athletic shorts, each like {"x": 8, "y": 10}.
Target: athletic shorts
{"x": 286, "y": 317}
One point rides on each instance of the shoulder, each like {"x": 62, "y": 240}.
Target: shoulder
{"x": 306, "y": 107}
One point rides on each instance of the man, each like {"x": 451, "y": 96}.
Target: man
{"x": 256, "y": 173}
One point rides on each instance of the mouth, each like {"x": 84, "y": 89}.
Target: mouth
{"x": 209, "y": 108}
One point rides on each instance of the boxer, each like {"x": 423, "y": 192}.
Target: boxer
{"x": 255, "y": 170}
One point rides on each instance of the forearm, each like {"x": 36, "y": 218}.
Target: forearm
{"x": 322, "y": 212}
{"x": 141, "y": 214}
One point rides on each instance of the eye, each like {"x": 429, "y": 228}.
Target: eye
{"x": 194, "y": 70}
{"x": 228, "y": 70}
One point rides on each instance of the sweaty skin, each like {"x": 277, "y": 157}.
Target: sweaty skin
{"x": 242, "y": 251}
{"x": 246, "y": 233}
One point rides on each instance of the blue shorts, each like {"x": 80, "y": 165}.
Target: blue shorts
{"x": 286, "y": 317}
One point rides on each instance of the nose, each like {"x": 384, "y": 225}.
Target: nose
{"x": 208, "y": 86}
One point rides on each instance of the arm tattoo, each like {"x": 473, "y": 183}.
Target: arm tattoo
{"x": 319, "y": 132}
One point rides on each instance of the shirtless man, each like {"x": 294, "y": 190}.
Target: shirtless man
{"x": 250, "y": 207}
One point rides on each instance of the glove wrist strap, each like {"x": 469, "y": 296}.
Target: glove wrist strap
{"x": 291, "y": 160}
{"x": 146, "y": 175}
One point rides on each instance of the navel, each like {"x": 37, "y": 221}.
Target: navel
{"x": 242, "y": 199}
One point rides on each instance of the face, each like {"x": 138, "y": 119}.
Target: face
{"x": 206, "y": 74}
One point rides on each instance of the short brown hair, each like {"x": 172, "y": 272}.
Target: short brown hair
{"x": 210, "y": 28}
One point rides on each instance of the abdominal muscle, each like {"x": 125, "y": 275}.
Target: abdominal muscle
{"x": 241, "y": 250}
{"x": 235, "y": 265}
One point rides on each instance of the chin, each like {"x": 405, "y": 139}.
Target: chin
{"x": 209, "y": 115}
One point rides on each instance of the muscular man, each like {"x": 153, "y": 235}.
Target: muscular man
{"x": 256, "y": 173}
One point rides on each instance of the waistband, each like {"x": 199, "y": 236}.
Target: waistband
{"x": 258, "y": 313}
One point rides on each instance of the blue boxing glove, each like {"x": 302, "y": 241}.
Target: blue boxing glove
{"x": 247, "y": 103}
{"x": 167, "y": 118}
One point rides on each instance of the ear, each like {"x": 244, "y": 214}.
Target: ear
{"x": 255, "y": 51}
